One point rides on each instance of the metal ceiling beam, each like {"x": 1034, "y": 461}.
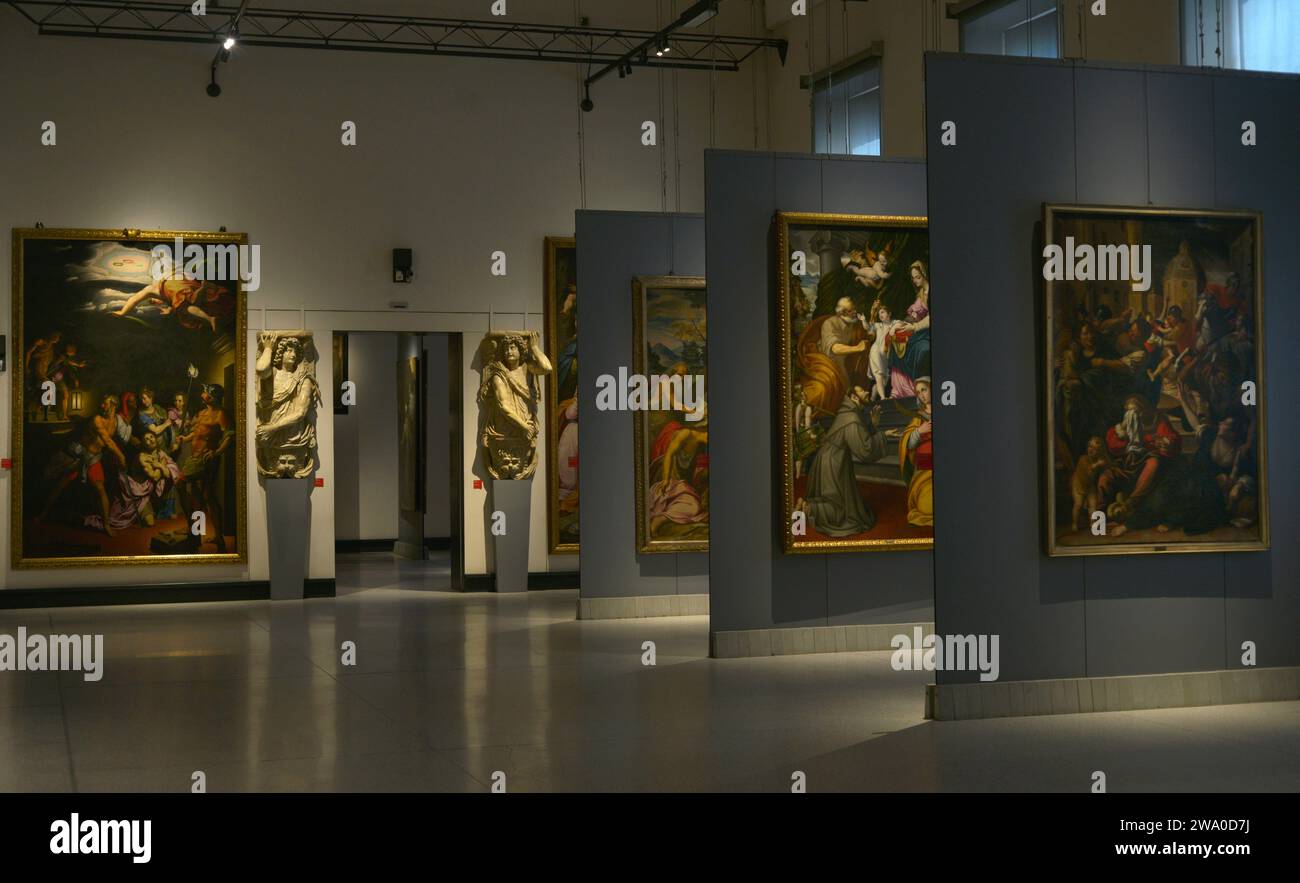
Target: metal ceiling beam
{"x": 173, "y": 22}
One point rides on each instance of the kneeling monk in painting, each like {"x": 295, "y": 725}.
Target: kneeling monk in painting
{"x": 833, "y": 504}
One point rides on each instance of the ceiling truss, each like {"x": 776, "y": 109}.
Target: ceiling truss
{"x": 363, "y": 32}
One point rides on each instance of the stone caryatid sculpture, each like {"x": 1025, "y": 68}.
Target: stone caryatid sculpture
{"x": 513, "y": 362}
{"x": 287, "y": 396}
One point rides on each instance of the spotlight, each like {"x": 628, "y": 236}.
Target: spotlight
{"x": 587, "y": 105}
{"x": 230, "y": 41}
{"x": 214, "y": 90}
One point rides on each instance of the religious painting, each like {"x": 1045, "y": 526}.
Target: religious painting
{"x": 128, "y": 406}
{"x": 340, "y": 370}
{"x": 1155, "y": 395}
{"x": 410, "y": 435}
{"x": 561, "y": 332}
{"x": 853, "y": 325}
{"x": 671, "y": 434}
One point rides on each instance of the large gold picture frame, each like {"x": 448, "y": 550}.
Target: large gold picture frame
{"x": 559, "y": 260}
{"x": 1198, "y": 328}
{"x": 668, "y": 331}
{"x": 141, "y": 344}
{"x": 858, "y": 248}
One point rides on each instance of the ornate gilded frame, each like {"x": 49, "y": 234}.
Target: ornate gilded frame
{"x": 640, "y": 284}
{"x": 784, "y": 220}
{"x": 1050, "y": 210}
{"x": 550, "y": 303}
{"x": 238, "y": 404}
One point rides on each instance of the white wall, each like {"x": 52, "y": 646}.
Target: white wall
{"x": 437, "y": 514}
{"x": 456, "y": 158}
{"x": 365, "y": 442}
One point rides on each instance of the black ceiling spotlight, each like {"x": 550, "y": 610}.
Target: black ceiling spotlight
{"x": 223, "y": 49}
{"x": 587, "y": 104}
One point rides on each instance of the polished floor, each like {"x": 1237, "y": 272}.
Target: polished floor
{"x": 448, "y": 689}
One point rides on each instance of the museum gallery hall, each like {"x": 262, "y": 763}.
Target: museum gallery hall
{"x": 299, "y": 499}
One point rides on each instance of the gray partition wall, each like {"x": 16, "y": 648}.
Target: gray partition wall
{"x": 1033, "y": 131}
{"x": 754, "y": 586}
{"x": 616, "y": 581}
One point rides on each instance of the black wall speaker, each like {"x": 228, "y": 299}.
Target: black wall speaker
{"x": 402, "y": 271}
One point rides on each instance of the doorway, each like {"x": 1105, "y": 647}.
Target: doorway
{"x": 397, "y": 494}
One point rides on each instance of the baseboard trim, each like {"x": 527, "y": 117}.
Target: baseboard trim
{"x": 643, "y": 606}
{"x": 386, "y": 545}
{"x": 167, "y": 593}
{"x": 538, "y": 581}
{"x": 1126, "y": 693}
{"x": 810, "y": 639}
{"x": 409, "y": 551}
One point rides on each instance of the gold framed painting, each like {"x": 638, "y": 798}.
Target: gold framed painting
{"x": 671, "y": 436}
{"x": 1155, "y": 414}
{"x": 560, "y": 323}
{"x": 128, "y": 406}
{"x": 853, "y": 344}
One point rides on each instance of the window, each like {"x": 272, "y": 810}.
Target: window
{"x": 1011, "y": 27}
{"x": 846, "y": 110}
{"x": 1257, "y": 35}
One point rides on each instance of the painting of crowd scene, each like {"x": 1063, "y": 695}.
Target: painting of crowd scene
{"x": 855, "y": 382}
{"x": 1156, "y": 397}
{"x": 127, "y": 403}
